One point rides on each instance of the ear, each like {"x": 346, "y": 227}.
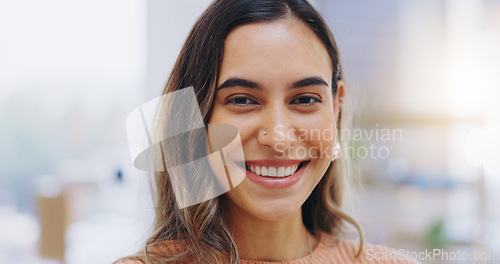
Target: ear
{"x": 338, "y": 99}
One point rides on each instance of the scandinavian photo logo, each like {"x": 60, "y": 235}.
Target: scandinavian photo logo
{"x": 167, "y": 136}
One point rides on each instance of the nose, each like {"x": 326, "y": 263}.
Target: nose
{"x": 278, "y": 130}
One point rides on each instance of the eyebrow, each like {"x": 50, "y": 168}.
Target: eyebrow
{"x": 309, "y": 81}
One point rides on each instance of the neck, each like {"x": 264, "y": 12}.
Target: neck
{"x": 263, "y": 240}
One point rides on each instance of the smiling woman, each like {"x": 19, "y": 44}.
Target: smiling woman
{"x": 268, "y": 68}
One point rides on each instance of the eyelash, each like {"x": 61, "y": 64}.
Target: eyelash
{"x": 233, "y": 101}
{"x": 315, "y": 100}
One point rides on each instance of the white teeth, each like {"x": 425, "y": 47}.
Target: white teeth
{"x": 274, "y": 171}
{"x": 257, "y": 170}
{"x": 281, "y": 171}
{"x": 264, "y": 171}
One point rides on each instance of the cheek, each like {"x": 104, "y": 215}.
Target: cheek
{"x": 245, "y": 124}
{"x": 319, "y": 133}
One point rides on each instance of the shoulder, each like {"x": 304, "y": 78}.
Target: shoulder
{"x": 160, "y": 249}
{"x": 344, "y": 251}
{"x": 373, "y": 252}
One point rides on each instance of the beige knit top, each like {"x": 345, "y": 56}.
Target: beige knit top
{"x": 333, "y": 250}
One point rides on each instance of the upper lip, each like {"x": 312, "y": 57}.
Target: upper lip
{"x": 272, "y": 163}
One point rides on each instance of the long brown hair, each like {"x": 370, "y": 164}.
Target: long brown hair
{"x": 201, "y": 227}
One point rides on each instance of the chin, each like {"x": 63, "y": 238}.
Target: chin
{"x": 276, "y": 210}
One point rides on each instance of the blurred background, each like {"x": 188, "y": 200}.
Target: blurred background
{"x": 422, "y": 76}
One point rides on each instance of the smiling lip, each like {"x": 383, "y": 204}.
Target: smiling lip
{"x": 272, "y": 182}
{"x": 273, "y": 163}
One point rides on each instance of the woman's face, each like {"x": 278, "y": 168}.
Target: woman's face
{"x": 275, "y": 86}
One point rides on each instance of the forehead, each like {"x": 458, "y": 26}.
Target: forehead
{"x": 283, "y": 46}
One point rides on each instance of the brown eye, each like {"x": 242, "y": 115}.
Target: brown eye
{"x": 305, "y": 100}
{"x": 241, "y": 101}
